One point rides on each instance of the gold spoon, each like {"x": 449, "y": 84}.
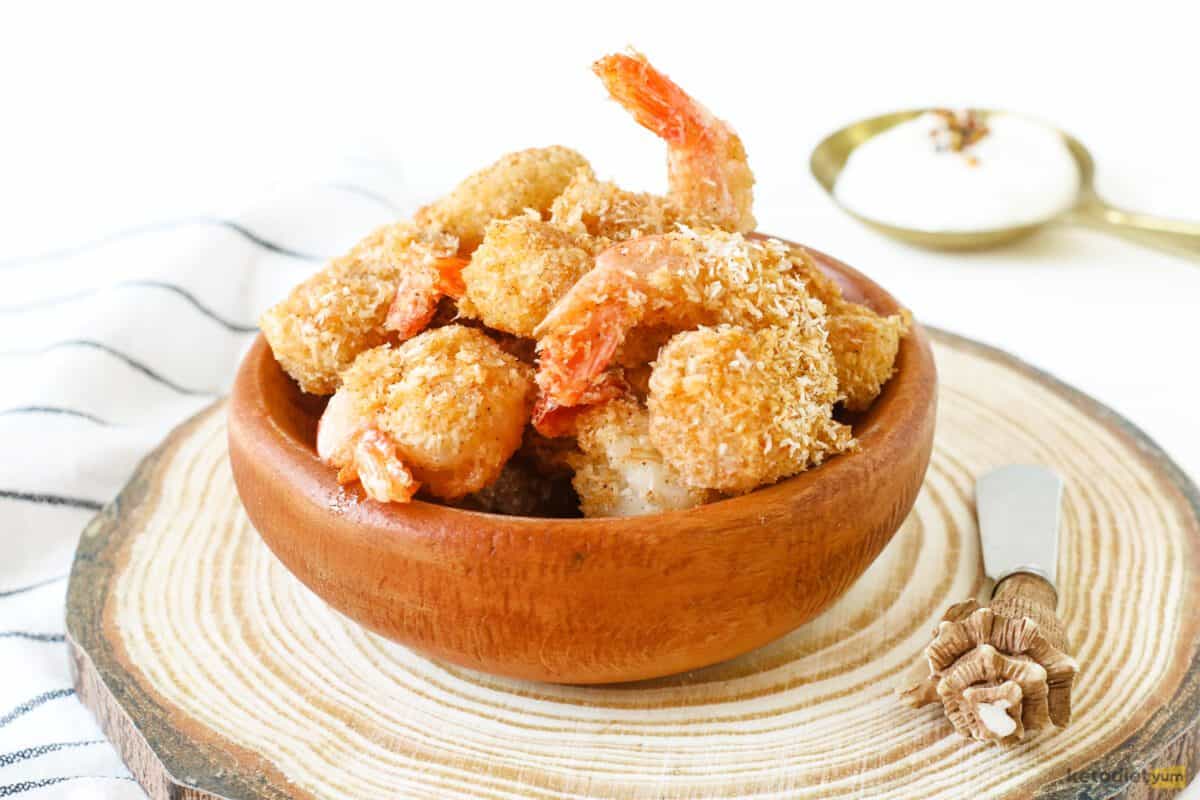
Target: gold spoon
{"x": 1090, "y": 210}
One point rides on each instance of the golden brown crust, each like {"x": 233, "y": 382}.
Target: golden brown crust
{"x": 326, "y": 321}
{"x": 732, "y": 408}
{"x": 864, "y": 347}
{"x": 528, "y": 179}
{"x": 451, "y": 400}
{"x": 864, "y": 344}
{"x": 602, "y": 213}
{"x": 519, "y": 272}
{"x": 618, "y": 472}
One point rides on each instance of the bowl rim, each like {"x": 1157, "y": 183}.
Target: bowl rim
{"x": 914, "y": 376}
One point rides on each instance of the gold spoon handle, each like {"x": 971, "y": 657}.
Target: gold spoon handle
{"x": 1173, "y": 235}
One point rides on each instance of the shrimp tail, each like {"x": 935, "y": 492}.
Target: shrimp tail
{"x": 378, "y": 467}
{"x": 418, "y": 292}
{"x": 570, "y": 361}
{"x": 414, "y": 304}
{"x": 553, "y": 420}
{"x": 654, "y": 100}
{"x": 450, "y": 275}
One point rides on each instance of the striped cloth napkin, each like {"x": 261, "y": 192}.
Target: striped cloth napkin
{"x": 106, "y": 347}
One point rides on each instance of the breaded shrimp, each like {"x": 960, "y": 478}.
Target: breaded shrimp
{"x": 618, "y": 472}
{"x": 519, "y": 272}
{"x": 388, "y": 288}
{"x": 678, "y": 281}
{"x": 553, "y": 419}
{"x": 529, "y": 179}
{"x": 600, "y": 213}
{"x": 446, "y": 410}
{"x": 326, "y": 321}
{"x": 710, "y": 181}
{"x": 733, "y": 408}
{"x": 864, "y": 343}
{"x": 864, "y": 346}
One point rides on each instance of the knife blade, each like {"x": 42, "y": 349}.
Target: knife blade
{"x": 1019, "y": 509}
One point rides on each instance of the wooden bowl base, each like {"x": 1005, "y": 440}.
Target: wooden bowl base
{"x": 218, "y": 674}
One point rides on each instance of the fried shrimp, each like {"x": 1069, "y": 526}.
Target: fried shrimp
{"x": 601, "y": 213}
{"x": 864, "y": 344}
{"x": 710, "y": 181}
{"x": 732, "y": 408}
{"x": 618, "y": 472}
{"x": 389, "y": 286}
{"x": 529, "y": 179}
{"x": 678, "y": 281}
{"x": 326, "y": 321}
{"x": 519, "y": 272}
{"x": 445, "y": 410}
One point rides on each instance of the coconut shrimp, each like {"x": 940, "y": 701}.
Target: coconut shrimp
{"x": 710, "y": 181}
{"x": 389, "y": 286}
{"x": 676, "y": 281}
{"x": 864, "y": 343}
{"x": 529, "y": 179}
{"x": 324, "y": 323}
{"x": 519, "y": 272}
{"x": 732, "y": 408}
{"x": 619, "y": 473}
{"x": 600, "y": 213}
{"x": 444, "y": 410}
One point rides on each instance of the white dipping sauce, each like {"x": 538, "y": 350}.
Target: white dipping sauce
{"x": 1019, "y": 173}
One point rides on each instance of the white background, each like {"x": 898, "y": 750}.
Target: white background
{"x": 115, "y": 115}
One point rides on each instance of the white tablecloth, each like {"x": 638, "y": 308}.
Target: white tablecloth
{"x": 108, "y": 345}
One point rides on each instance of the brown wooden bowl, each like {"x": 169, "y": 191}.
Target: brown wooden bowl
{"x": 584, "y": 600}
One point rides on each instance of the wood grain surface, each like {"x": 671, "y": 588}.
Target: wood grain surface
{"x": 218, "y": 674}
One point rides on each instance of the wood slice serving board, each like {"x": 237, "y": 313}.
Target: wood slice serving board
{"x": 217, "y": 674}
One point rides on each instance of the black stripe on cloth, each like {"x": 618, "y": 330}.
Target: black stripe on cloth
{"x": 51, "y": 499}
{"x": 23, "y": 589}
{"x": 67, "y": 412}
{"x": 8, "y": 759}
{"x": 26, "y": 786}
{"x": 30, "y": 705}
{"x": 33, "y": 637}
{"x": 134, "y": 284}
{"x": 128, "y": 360}
{"x": 161, "y": 227}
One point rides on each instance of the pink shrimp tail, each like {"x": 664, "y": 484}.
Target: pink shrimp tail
{"x": 378, "y": 468}
{"x": 570, "y": 362}
{"x": 413, "y": 306}
{"x": 418, "y": 292}
{"x": 656, "y": 102}
{"x": 553, "y": 420}
{"x": 450, "y": 279}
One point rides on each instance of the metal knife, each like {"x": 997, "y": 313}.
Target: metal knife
{"x": 1005, "y": 668}
{"x": 1019, "y": 513}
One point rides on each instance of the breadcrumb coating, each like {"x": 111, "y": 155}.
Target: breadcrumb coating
{"x": 453, "y": 403}
{"x": 864, "y": 343}
{"x": 528, "y": 179}
{"x": 864, "y": 346}
{"x": 600, "y": 213}
{"x": 618, "y": 472}
{"x": 326, "y": 321}
{"x": 676, "y": 281}
{"x": 732, "y": 408}
{"x": 519, "y": 272}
